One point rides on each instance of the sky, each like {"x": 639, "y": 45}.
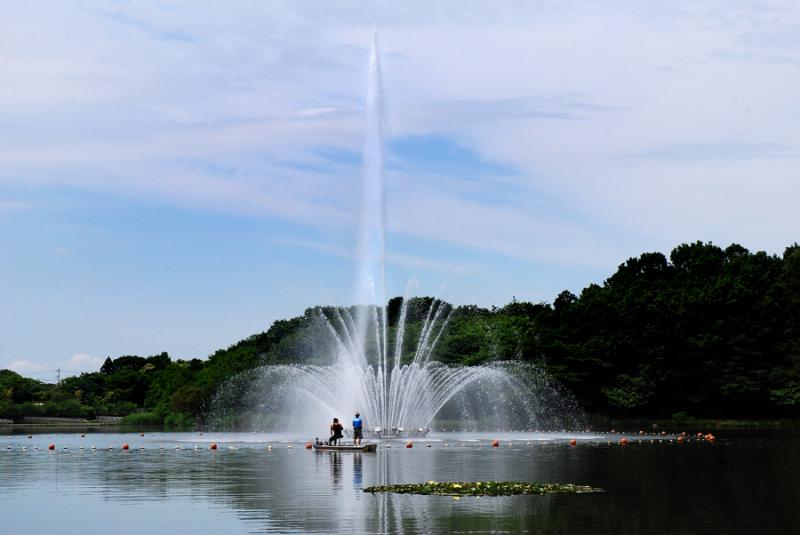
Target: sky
{"x": 175, "y": 176}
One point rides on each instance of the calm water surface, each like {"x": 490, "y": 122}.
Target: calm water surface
{"x": 176, "y": 484}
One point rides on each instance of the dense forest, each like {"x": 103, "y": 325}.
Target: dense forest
{"x": 705, "y": 332}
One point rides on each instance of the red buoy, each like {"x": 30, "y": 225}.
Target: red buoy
{"x": 125, "y": 447}
{"x": 495, "y": 443}
{"x": 681, "y": 440}
{"x": 51, "y": 447}
{"x": 409, "y": 444}
{"x": 623, "y": 441}
{"x": 213, "y": 445}
{"x": 308, "y": 445}
{"x": 573, "y": 442}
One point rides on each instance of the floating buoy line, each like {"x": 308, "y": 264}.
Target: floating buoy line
{"x": 613, "y": 437}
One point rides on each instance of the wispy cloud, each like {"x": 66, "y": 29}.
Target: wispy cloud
{"x": 12, "y": 206}
{"x": 47, "y": 371}
{"x": 392, "y": 258}
{"x": 81, "y": 362}
{"x": 731, "y": 150}
{"x": 146, "y": 28}
{"x": 559, "y": 137}
{"x": 26, "y": 367}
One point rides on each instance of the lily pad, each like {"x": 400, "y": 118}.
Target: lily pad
{"x": 482, "y": 488}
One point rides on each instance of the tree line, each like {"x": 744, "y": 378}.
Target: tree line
{"x": 704, "y": 332}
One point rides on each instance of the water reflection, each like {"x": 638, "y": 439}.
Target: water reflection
{"x": 358, "y": 471}
{"x": 650, "y": 488}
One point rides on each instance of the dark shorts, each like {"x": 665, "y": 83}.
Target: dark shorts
{"x": 357, "y": 433}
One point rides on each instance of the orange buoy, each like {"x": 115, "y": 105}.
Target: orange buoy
{"x": 573, "y": 442}
{"x": 51, "y": 447}
{"x": 125, "y": 446}
{"x": 308, "y": 445}
{"x": 495, "y": 443}
{"x": 681, "y": 440}
{"x": 711, "y": 438}
{"x": 623, "y": 441}
{"x": 409, "y": 444}
{"x": 213, "y": 445}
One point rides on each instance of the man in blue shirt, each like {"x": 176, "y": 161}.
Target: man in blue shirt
{"x": 358, "y": 426}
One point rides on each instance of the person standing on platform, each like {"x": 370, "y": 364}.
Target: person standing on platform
{"x": 358, "y": 426}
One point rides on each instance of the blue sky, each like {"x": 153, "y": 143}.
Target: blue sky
{"x": 175, "y": 176}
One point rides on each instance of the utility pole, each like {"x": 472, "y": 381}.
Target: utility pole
{"x": 58, "y": 376}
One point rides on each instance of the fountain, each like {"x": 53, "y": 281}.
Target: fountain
{"x": 371, "y": 366}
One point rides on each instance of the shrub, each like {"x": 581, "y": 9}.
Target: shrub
{"x": 142, "y": 418}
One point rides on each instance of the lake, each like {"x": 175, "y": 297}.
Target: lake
{"x": 743, "y": 483}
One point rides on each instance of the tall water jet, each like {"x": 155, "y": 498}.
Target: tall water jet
{"x": 395, "y": 384}
{"x": 371, "y": 275}
{"x": 370, "y": 281}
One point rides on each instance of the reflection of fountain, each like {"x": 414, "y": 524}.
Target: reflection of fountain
{"x": 371, "y": 367}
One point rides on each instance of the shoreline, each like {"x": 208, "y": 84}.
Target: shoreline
{"x": 680, "y": 424}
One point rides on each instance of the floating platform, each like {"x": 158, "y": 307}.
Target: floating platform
{"x": 348, "y": 447}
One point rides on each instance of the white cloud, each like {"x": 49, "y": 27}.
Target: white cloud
{"x": 81, "y": 362}
{"x": 46, "y": 371}
{"x": 26, "y": 367}
{"x": 609, "y": 113}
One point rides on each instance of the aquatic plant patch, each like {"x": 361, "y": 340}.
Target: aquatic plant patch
{"x": 483, "y": 488}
